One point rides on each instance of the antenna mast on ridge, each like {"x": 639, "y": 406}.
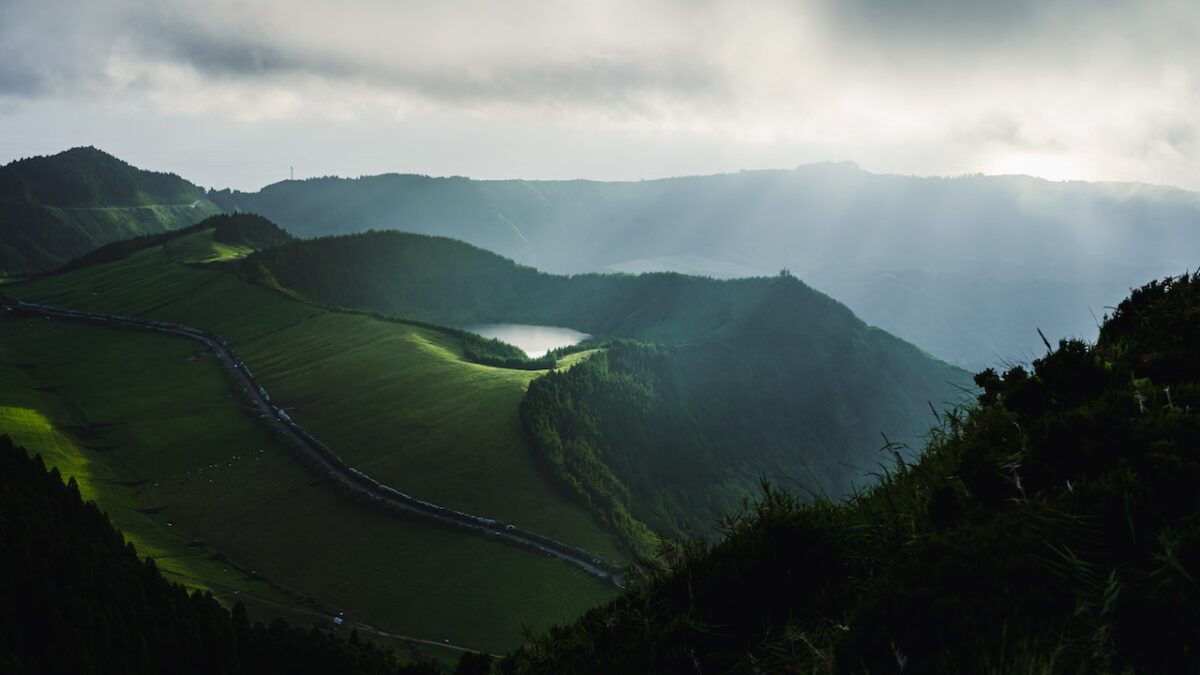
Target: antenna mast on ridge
{"x": 292, "y": 173}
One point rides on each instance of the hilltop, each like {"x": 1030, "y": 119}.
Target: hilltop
{"x": 58, "y": 207}
{"x": 1050, "y": 527}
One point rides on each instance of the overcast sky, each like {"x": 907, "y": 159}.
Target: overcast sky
{"x": 231, "y": 93}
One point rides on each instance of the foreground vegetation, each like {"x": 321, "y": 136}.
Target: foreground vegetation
{"x": 79, "y": 599}
{"x": 1053, "y": 527}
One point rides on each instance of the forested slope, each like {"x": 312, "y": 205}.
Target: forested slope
{"x": 1052, "y": 527}
{"x": 56, "y": 208}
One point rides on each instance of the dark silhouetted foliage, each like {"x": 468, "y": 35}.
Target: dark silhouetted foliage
{"x": 246, "y": 229}
{"x": 473, "y": 663}
{"x": 78, "y": 599}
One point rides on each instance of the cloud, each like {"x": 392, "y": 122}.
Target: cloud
{"x": 512, "y": 54}
{"x": 17, "y": 78}
{"x": 1109, "y": 83}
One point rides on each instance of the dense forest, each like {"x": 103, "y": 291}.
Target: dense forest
{"x": 246, "y": 229}
{"x": 56, "y": 208}
{"x": 90, "y": 178}
{"x": 674, "y": 437}
{"x": 79, "y": 599}
{"x": 756, "y": 376}
{"x": 1053, "y": 526}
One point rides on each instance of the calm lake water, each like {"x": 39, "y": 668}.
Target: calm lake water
{"x": 535, "y": 341}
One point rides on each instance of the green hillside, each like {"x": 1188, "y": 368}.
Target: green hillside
{"x": 397, "y": 401}
{"x": 755, "y": 377}
{"x": 56, "y": 208}
{"x": 150, "y": 430}
{"x": 1050, "y": 528}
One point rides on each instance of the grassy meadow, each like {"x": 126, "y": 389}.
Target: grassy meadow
{"x": 149, "y": 426}
{"x": 396, "y": 401}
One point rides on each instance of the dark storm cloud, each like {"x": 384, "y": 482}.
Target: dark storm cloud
{"x": 17, "y": 78}
{"x": 589, "y": 78}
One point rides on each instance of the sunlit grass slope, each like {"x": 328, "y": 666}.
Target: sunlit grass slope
{"x": 150, "y": 427}
{"x": 395, "y": 400}
{"x": 200, "y": 247}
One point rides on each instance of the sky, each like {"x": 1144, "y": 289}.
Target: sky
{"x": 232, "y": 93}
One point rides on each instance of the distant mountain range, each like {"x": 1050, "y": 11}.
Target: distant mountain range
{"x": 967, "y": 268}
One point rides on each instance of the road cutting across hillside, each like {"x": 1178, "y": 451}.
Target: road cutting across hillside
{"x": 322, "y": 458}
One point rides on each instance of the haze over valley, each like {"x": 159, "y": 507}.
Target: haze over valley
{"x": 826, "y": 337}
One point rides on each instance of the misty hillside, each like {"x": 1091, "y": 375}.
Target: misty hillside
{"x": 56, "y": 208}
{"x": 1015, "y": 253}
{"x": 745, "y": 378}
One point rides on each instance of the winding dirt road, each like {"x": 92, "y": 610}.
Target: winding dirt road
{"x": 318, "y": 456}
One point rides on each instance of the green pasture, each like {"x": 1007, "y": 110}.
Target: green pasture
{"x": 396, "y": 401}
{"x": 150, "y": 428}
